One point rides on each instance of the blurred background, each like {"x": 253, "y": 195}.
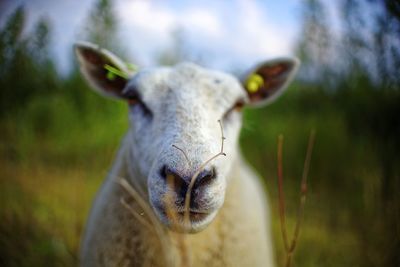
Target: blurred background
{"x": 58, "y": 138}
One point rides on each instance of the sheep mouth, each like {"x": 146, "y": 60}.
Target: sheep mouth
{"x": 177, "y": 220}
{"x": 194, "y": 216}
{"x": 176, "y": 216}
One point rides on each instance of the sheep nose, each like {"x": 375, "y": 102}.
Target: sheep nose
{"x": 174, "y": 180}
{"x": 180, "y": 185}
{"x": 205, "y": 178}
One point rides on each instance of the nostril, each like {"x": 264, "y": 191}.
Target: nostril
{"x": 163, "y": 172}
{"x": 206, "y": 177}
{"x": 174, "y": 180}
{"x": 166, "y": 173}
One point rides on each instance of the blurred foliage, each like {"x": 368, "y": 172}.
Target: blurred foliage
{"x": 25, "y": 70}
{"x": 58, "y": 138}
{"x": 101, "y": 26}
{"x": 361, "y": 69}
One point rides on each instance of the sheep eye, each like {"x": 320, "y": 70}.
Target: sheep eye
{"x": 237, "y": 107}
{"x": 131, "y": 96}
{"x": 134, "y": 101}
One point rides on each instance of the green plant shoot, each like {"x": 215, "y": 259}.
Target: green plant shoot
{"x": 113, "y": 72}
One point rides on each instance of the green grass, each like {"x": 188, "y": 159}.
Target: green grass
{"x": 54, "y": 156}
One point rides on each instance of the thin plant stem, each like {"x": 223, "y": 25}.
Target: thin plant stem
{"x": 172, "y": 215}
{"x": 182, "y": 242}
{"x": 303, "y": 193}
{"x": 162, "y": 235}
{"x": 136, "y": 214}
{"x": 303, "y": 189}
{"x": 194, "y": 177}
{"x": 183, "y": 152}
{"x": 281, "y": 195}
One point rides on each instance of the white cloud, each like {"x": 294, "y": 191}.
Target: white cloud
{"x": 202, "y": 20}
{"x": 231, "y": 34}
{"x": 237, "y": 32}
{"x": 264, "y": 38}
{"x": 145, "y": 28}
{"x": 147, "y": 16}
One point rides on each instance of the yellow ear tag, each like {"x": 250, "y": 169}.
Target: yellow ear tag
{"x": 254, "y": 82}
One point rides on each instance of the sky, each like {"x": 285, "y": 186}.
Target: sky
{"x": 231, "y": 33}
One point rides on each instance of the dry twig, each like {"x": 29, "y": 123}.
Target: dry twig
{"x": 289, "y": 249}
{"x": 171, "y": 213}
{"x": 194, "y": 177}
{"x": 183, "y": 152}
{"x": 157, "y": 227}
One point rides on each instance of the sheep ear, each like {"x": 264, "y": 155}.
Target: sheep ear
{"x": 106, "y": 73}
{"x": 268, "y": 80}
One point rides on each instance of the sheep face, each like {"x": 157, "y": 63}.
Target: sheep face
{"x": 175, "y": 129}
{"x": 177, "y": 117}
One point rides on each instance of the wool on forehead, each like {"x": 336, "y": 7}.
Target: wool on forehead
{"x": 189, "y": 82}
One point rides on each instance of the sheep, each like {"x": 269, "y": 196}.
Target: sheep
{"x": 179, "y": 118}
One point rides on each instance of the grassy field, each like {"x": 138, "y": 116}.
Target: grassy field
{"x": 58, "y": 138}
{"x": 50, "y": 175}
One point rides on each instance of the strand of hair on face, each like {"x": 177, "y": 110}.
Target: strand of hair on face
{"x": 289, "y": 249}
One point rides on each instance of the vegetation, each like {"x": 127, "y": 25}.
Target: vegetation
{"x": 57, "y": 139}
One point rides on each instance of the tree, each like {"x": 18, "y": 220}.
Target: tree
{"x": 26, "y": 68}
{"x": 315, "y": 48}
{"x": 10, "y": 37}
{"x": 102, "y": 26}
